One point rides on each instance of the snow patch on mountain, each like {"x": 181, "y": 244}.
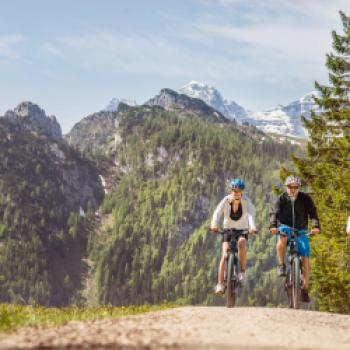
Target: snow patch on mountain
{"x": 284, "y": 120}
{"x": 213, "y": 98}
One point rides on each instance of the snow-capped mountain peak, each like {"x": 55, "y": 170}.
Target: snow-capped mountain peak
{"x": 279, "y": 119}
{"x": 213, "y": 98}
{"x": 204, "y": 92}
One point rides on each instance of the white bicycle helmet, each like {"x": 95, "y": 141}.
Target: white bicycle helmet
{"x": 292, "y": 179}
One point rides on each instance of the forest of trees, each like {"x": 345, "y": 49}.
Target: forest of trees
{"x": 326, "y": 169}
{"x": 42, "y": 236}
{"x": 159, "y": 247}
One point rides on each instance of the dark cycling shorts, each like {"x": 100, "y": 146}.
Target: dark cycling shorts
{"x": 227, "y": 237}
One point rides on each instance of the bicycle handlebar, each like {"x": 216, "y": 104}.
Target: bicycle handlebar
{"x": 234, "y": 231}
{"x": 296, "y": 232}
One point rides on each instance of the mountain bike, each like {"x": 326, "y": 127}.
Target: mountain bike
{"x": 294, "y": 278}
{"x": 231, "y": 282}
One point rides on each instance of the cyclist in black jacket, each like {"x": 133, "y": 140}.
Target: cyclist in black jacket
{"x": 293, "y": 208}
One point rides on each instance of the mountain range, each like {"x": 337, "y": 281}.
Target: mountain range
{"x": 284, "y": 120}
{"x": 280, "y": 120}
{"x": 115, "y": 212}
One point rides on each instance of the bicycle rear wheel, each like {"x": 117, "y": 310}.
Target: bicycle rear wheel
{"x": 231, "y": 290}
{"x": 296, "y": 282}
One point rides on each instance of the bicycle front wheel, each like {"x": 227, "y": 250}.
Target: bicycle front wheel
{"x": 231, "y": 290}
{"x": 296, "y": 287}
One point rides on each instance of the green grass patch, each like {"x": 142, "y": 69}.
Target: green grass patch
{"x": 13, "y": 317}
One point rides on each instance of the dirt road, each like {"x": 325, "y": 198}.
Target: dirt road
{"x": 196, "y": 328}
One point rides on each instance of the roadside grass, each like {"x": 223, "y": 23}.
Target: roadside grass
{"x": 13, "y": 316}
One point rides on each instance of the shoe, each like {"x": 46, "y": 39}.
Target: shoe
{"x": 219, "y": 289}
{"x": 305, "y": 296}
{"x": 282, "y": 270}
{"x": 241, "y": 278}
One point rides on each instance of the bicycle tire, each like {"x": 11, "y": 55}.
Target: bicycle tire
{"x": 296, "y": 282}
{"x": 288, "y": 287}
{"x": 231, "y": 290}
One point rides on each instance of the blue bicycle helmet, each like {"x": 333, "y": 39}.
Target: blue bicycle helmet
{"x": 237, "y": 183}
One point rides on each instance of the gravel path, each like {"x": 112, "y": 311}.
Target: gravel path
{"x": 196, "y": 328}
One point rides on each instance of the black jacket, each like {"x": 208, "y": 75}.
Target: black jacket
{"x": 282, "y": 212}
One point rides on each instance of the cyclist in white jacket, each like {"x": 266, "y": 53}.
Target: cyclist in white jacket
{"x": 238, "y": 213}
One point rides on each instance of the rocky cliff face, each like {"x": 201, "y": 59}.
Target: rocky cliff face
{"x": 100, "y": 132}
{"x": 30, "y": 116}
{"x": 93, "y": 132}
{"x": 79, "y": 177}
{"x": 172, "y": 101}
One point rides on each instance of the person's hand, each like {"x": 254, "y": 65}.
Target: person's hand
{"x": 274, "y": 230}
{"x": 253, "y": 231}
{"x": 214, "y": 230}
{"x": 314, "y": 231}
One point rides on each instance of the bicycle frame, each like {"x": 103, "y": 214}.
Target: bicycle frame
{"x": 294, "y": 276}
{"x": 231, "y": 265}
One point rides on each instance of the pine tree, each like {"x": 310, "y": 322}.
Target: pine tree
{"x": 326, "y": 168}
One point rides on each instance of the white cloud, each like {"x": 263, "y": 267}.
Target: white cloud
{"x": 259, "y": 40}
{"x": 8, "y": 46}
{"x": 299, "y": 43}
{"x": 279, "y": 40}
{"x": 271, "y": 53}
{"x": 135, "y": 53}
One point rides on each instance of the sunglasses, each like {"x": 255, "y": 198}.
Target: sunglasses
{"x": 236, "y": 190}
{"x": 293, "y": 187}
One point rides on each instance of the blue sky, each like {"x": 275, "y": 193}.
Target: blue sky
{"x": 72, "y": 57}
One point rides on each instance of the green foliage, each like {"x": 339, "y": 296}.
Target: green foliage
{"x": 172, "y": 170}
{"x": 13, "y": 317}
{"x": 326, "y": 169}
{"x": 177, "y": 169}
{"x": 42, "y": 239}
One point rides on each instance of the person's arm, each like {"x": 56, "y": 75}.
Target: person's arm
{"x": 312, "y": 211}
{"x": 217, "y": 215}
{"x": 348, "y": 226}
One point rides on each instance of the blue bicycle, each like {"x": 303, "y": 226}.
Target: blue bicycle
{"x": 294, "y": 278}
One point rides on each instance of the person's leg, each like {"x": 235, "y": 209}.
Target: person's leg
{"x": 281, "y": 249}
{"x": 242, "y": 252}
{"x": 281, "y": 254}
{"x": 306, "y": 275}
{"x": 306, "y": 272}
{"x": 225, "y": 246}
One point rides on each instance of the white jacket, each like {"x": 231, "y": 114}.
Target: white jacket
{"x": 246, "y": 221}
{"x": 348, "y": 226}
